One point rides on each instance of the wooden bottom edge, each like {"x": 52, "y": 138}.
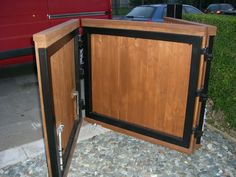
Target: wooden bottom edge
{"x": 188, "y": 151}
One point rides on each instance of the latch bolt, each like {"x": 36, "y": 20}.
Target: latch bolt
{"x": 76, "y": 95}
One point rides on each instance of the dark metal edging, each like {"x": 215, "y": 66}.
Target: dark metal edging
{"x": 205, "y": 88}
{"x": 195, "y": 41}
{"x": 45, "y": 69}
{"x": 77, "y": 71}
{"x": 192, "y": 89}
{"x": 50, "y": 119}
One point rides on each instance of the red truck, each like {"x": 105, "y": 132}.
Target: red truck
{"x": 19, "y": 20}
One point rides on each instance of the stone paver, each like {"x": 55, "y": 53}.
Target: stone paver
{"x": 115, "y": 155}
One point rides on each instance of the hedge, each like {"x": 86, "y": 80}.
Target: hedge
{"x": 222, "y": 84}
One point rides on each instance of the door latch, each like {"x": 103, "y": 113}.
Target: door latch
{"x": 76, "y": 95}
{"x": 59, "y": 134}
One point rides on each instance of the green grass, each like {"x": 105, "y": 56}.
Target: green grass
{"x": 222, "y": 86}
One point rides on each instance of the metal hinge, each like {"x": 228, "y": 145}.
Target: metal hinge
{"x": 207, "y": 56}
{"x": 203, "y": 96}
{"x": 80, "y": 43}
{"x": 59, "y": 134}
{"x": 81, "y": 57}
{"x": 197, "y": 133}
{"x": 81, "y": 71}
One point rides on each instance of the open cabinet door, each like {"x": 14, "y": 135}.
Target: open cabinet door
{"x": 145, "y": 79}
{"x": 59, "y": 83}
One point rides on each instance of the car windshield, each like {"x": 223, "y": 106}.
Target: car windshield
{"x": 226, "y": 7}
{"x": 141, "y": 12}
{"x": 213, "y": 7}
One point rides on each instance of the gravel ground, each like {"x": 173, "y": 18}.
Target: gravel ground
{"x": 116, "y": 155}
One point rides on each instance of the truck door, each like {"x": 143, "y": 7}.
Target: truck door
{"x": 18, "y": 21}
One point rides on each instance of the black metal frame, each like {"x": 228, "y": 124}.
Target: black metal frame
{"x": 45, "y": 69}
{"x": 16, "y": 53}
{"x": 195, "y": 41}
{"x": 174, "y": 10}
{"x": 205, "y": 87}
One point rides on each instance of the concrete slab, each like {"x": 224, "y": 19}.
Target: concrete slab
{"x": 89, "y": 131}
{"x": 33, "y": 149}
{"x": 18, "y": 133}
{"x": 12, "y": 156}
{"x": 20, "y": 119}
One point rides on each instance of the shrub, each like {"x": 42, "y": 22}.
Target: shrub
{"x": 222, "y": 84}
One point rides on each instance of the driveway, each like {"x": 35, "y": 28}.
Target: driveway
{"x": 20, "y": 119}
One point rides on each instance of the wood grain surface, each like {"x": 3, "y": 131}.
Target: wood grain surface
{"x": 141, "y": 81}
{"x": 210, "y": 30}
{"x": 176, "y": 28}
{"x": 63, "y": 85}
{"x": 49, "y": 36}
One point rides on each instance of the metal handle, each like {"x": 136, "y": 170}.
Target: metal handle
{"x": 76, "y": 94}
{"x": 59, "y": 133}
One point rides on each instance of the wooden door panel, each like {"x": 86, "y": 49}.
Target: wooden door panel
{"x": 59, "y": 81}
{"x": 144, "y": 79}
{"x": 106, "y": 102}
{"x": 63, "y": 86}
{"x": 126, "y": 82}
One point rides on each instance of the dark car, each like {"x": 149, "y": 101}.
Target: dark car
{"x": 222, "y": 8}
{"x": 156, "y": 12}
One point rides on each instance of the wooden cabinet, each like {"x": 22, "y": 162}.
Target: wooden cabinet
{"x": 144, "y": 79}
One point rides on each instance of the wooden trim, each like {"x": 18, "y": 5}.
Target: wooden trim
{"x": 45, "y": 138}
{"x": 211, "y": 30}
{"x": 49, "y": 36}
{"x": 193, "y": 30}
{"x": 145, "y": 138}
